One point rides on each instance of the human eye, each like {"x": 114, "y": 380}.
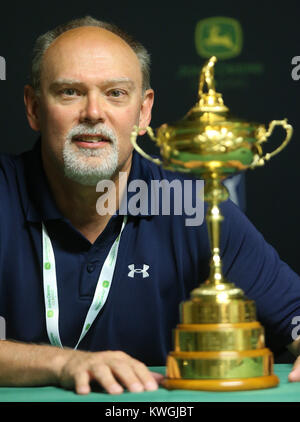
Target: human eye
{"x": 69, "y": 92}
{"x": 117, "y": 93}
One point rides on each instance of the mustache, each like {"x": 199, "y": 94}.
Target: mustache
{"x": 99, "y": 130}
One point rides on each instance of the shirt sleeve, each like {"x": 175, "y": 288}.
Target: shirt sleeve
{"x": 252, "y": 264}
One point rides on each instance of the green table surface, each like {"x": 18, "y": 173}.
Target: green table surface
{"x": 284, "y": 392}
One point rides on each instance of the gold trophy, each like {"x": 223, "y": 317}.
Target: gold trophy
{"x": 218, "y": 345}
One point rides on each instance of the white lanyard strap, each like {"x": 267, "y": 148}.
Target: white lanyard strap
{"x": 50, "y": 287}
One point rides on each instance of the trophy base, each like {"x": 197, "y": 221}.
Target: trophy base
{"x": 237, "y": 384}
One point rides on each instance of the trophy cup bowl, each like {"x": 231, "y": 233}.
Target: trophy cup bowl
{"x": 218, "y": 345}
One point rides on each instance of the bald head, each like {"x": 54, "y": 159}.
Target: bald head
{"x": 87, "y": 51}
{"x": 95, "y": 28}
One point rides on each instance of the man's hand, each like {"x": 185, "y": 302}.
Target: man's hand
{"x": 295, "y": 373}
{"x": 31, "y": 364}
{"x": 294, "y": 348}
{"x": 113, "y": 370}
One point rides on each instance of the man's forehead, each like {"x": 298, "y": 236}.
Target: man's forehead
{"x": 85, "y": 48}
{"x": 88, "y": 37}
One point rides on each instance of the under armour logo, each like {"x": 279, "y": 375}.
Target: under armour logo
{"x": 134, "y": 271}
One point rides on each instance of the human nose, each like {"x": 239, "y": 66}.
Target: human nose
{"x": 93, "y": 110}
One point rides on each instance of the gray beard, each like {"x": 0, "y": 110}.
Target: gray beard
{"x": 88, "y": 166}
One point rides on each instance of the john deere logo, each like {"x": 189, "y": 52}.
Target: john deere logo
{"x": 218, "y": 36}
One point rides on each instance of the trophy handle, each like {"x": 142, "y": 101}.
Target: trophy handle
{"x": 134, "y": 135}
{"x": 289, "y": 131}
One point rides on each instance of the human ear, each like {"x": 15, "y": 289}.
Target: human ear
{"x": 31, "y": 105}
{"x": 146, "y": 108}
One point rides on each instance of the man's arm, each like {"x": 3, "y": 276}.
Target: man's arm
{"x": 250, "y": 262}
{"x": 32, "y": 365}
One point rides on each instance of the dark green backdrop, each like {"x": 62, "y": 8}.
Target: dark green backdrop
{"x": 257, "y": 84}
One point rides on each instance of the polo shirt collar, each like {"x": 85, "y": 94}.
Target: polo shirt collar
{"x": 41, "y": 205}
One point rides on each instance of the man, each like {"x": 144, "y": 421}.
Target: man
{"x": 59, "y": 255}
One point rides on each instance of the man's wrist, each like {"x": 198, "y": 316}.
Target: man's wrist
{"x": 58, "y": 362}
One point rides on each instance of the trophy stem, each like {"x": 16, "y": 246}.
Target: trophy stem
{"x": 215, "y": 192}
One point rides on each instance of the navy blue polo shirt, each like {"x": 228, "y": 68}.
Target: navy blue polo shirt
{"x": 160, "y": 261}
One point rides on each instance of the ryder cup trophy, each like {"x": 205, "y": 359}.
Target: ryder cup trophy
{"x": 218, "y": 345}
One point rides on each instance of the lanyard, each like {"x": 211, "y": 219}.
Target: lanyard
{"x": 50, "y": 288}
